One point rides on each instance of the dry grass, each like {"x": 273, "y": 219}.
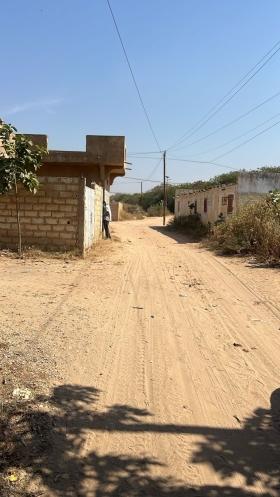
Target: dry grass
{"x": 157, "y": 211}
{"x": 131, "y": 212}
{"x": 129, "y": 216}
{"x": 35, "y": 253}
{"x": 254, "y": 230}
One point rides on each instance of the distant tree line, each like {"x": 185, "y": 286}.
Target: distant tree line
{"x": 155, "y": 195}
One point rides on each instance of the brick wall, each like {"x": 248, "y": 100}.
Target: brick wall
{"x": 53, "y": 218}
{"x": 49, "y": 219}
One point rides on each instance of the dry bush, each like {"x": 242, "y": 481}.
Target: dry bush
{"x": 127, "y": 216}
{"x": 131, "y": 212}
{"x": 156, "y": 210}
{"x": 190, "y": 225}
{"x": 255, "y": 230}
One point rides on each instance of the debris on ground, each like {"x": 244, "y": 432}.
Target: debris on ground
{"x": 22, "y": 394}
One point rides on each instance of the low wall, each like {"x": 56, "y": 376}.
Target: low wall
{"x": 116, "y": 210}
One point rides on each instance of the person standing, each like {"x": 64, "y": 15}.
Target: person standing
{"x": 107, "y": 216}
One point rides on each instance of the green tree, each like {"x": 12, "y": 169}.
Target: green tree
{"x": 19, "y": 161}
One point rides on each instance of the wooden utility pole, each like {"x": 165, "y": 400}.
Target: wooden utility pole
{"x": 141, "y": 196}
{"x": 164, "y": 187}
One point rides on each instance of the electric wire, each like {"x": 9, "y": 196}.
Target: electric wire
{"x": 237, "y": 137}
{"x": 140, "y": 179}
{"x": 133, "y": 77}
{"x": 144, "y": 157}
{"x": 132, "y": 154}
{"x": 210, "y": 163}
{"x": 233, "y": 121}
{"x": 229, "y": 96}
{"x": 154, "y": 169}
{"x": 246, "y": 141}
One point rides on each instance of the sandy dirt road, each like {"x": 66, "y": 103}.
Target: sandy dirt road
{"x": 167, "y": 364}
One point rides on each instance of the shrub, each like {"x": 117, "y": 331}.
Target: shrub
{"x": 254, "y": 229}
{"x": 131, "y": 212}
{"x": 156, "y": 210}
{"x": 191, "y": 225}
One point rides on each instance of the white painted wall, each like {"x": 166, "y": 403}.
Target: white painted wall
{"x": 259, "y": 183}
{"x": 89, "y": 217}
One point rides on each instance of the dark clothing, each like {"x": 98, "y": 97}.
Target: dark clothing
{"x": 106, "y": 228}
{"x": 106, "y": 219}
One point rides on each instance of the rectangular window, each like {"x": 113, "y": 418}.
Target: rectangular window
{"x": 205, "y": 204}
{"x": 224, "y": 200}
{"x": 230, "y": 204}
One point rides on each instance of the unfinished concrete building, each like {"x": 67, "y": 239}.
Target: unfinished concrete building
{"x": 66, "y": 213}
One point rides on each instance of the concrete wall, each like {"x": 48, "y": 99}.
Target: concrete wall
{"x": 253, "y": 186}
{"x": 250, "y": 187}
{"x": 89, "y": 224}
{"x": 209, "y": 203}
{"x": 109, "y": 150}
{"x": 98, "y": 212}
{"x": 57, "y": 217}
{"x": 116, "y": 209}
{"x": 101, "y": 162}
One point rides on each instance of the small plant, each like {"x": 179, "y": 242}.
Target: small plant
{"x": 19, "y": 161}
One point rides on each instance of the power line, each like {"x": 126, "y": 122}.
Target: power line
{"x": 179, "y": 159}
{"x": 229, "y": 96}
{"x": 132, "y": 154}
{"x": 144, "y": 157}
{"x": 129, "y": 183}
{"x": 210, "y": 163}
{"x": 220, "y": 105}
{"x": 247, "y": 141}
{"x": 155, "y": 169}
{"x": 141, "y": 179}
{"x": 144, "y": 180}
{"x": 133, "y": 77}
{"x": 245, "y": 114}
{"x": 239, "y": 136}
{"x": 156, "y": 165}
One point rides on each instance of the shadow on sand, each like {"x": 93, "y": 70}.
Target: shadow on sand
{"x": 177, "y": 236}
{"x": 48, "y": 441}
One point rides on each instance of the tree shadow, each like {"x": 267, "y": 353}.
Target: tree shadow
{"x": 46, "y": 438}
{"x": 253, "y": 451}
{"x": 176, "y": 235}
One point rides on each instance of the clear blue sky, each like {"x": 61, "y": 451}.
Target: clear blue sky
{"x": 64, "y": 74}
